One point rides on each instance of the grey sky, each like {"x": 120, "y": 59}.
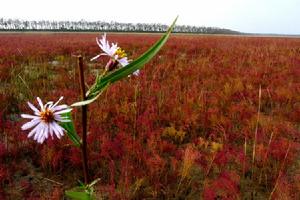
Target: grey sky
{"x": 254, "y": 16}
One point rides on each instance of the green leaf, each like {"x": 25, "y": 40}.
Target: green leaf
{"x": 123, "y": 72}
{"x": 83, "y": 191}
{"x": 82, "y": 103}
{"x": 70, "y": 129}
{"x": 78, "y": 195}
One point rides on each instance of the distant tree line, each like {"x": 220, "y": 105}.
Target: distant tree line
{"x": 82, "y": 25}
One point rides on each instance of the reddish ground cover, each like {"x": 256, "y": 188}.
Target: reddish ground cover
{"x": 184, "y": 129}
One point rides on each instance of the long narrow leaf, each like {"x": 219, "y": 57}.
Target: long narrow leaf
{"x": 128, "y": 69}
{"x": 82, "y": 103}
{"x": 70, "y": 129}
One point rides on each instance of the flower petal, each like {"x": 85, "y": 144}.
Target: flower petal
{"x": 37, "y": 134}
{"x": 61, "y": 119}
{"x": 61, "y": 98}
{"x": 40, "y": 103}
{"x": 123, "y": 61}
{"x": 63, "y": 111}
{"x": 39, "y": 130}
{"x": 40, "y": 135}
{"x": 36, "y": 111}
{"x": 60, "y": 107}
{"x": 97, "y": 56}
{"x": 30, "y": 124}
{"x": 43, "y": 134}
{"x": 46, "y": 131}
{"x": 34, "y": 130}
{"x": 29, "y": 116}
{"x": 53, "y": 127}
{"x": 48, "y": 104}
{"x": 51, "y": 130}
{"x": 57, "y": 130}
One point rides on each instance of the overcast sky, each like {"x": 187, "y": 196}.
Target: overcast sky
{"x": 253, "y": 16}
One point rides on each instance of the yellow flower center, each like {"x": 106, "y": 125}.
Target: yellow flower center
{"x": 120, "y": 53}
{"x": 47, "y": 116}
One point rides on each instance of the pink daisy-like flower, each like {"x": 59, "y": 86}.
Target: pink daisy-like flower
{"x": 46, "y": 121}
{"x": 116, "y": 54}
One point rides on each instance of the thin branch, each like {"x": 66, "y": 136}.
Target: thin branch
{"x": 83, "y": 121}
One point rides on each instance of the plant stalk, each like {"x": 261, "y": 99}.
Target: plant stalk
{"x": 83, "y": 121}
{"x": 280, "y": 171}
{"x": 256, "y": 131}
{"x": 255, "y": 140}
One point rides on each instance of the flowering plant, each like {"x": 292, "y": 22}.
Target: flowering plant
{"x": 53, "y": 119}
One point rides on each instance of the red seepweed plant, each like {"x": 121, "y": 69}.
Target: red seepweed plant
{"x": 200, "y": 93}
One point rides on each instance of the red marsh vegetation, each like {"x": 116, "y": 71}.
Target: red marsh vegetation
{"x": 210, "y": 117}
